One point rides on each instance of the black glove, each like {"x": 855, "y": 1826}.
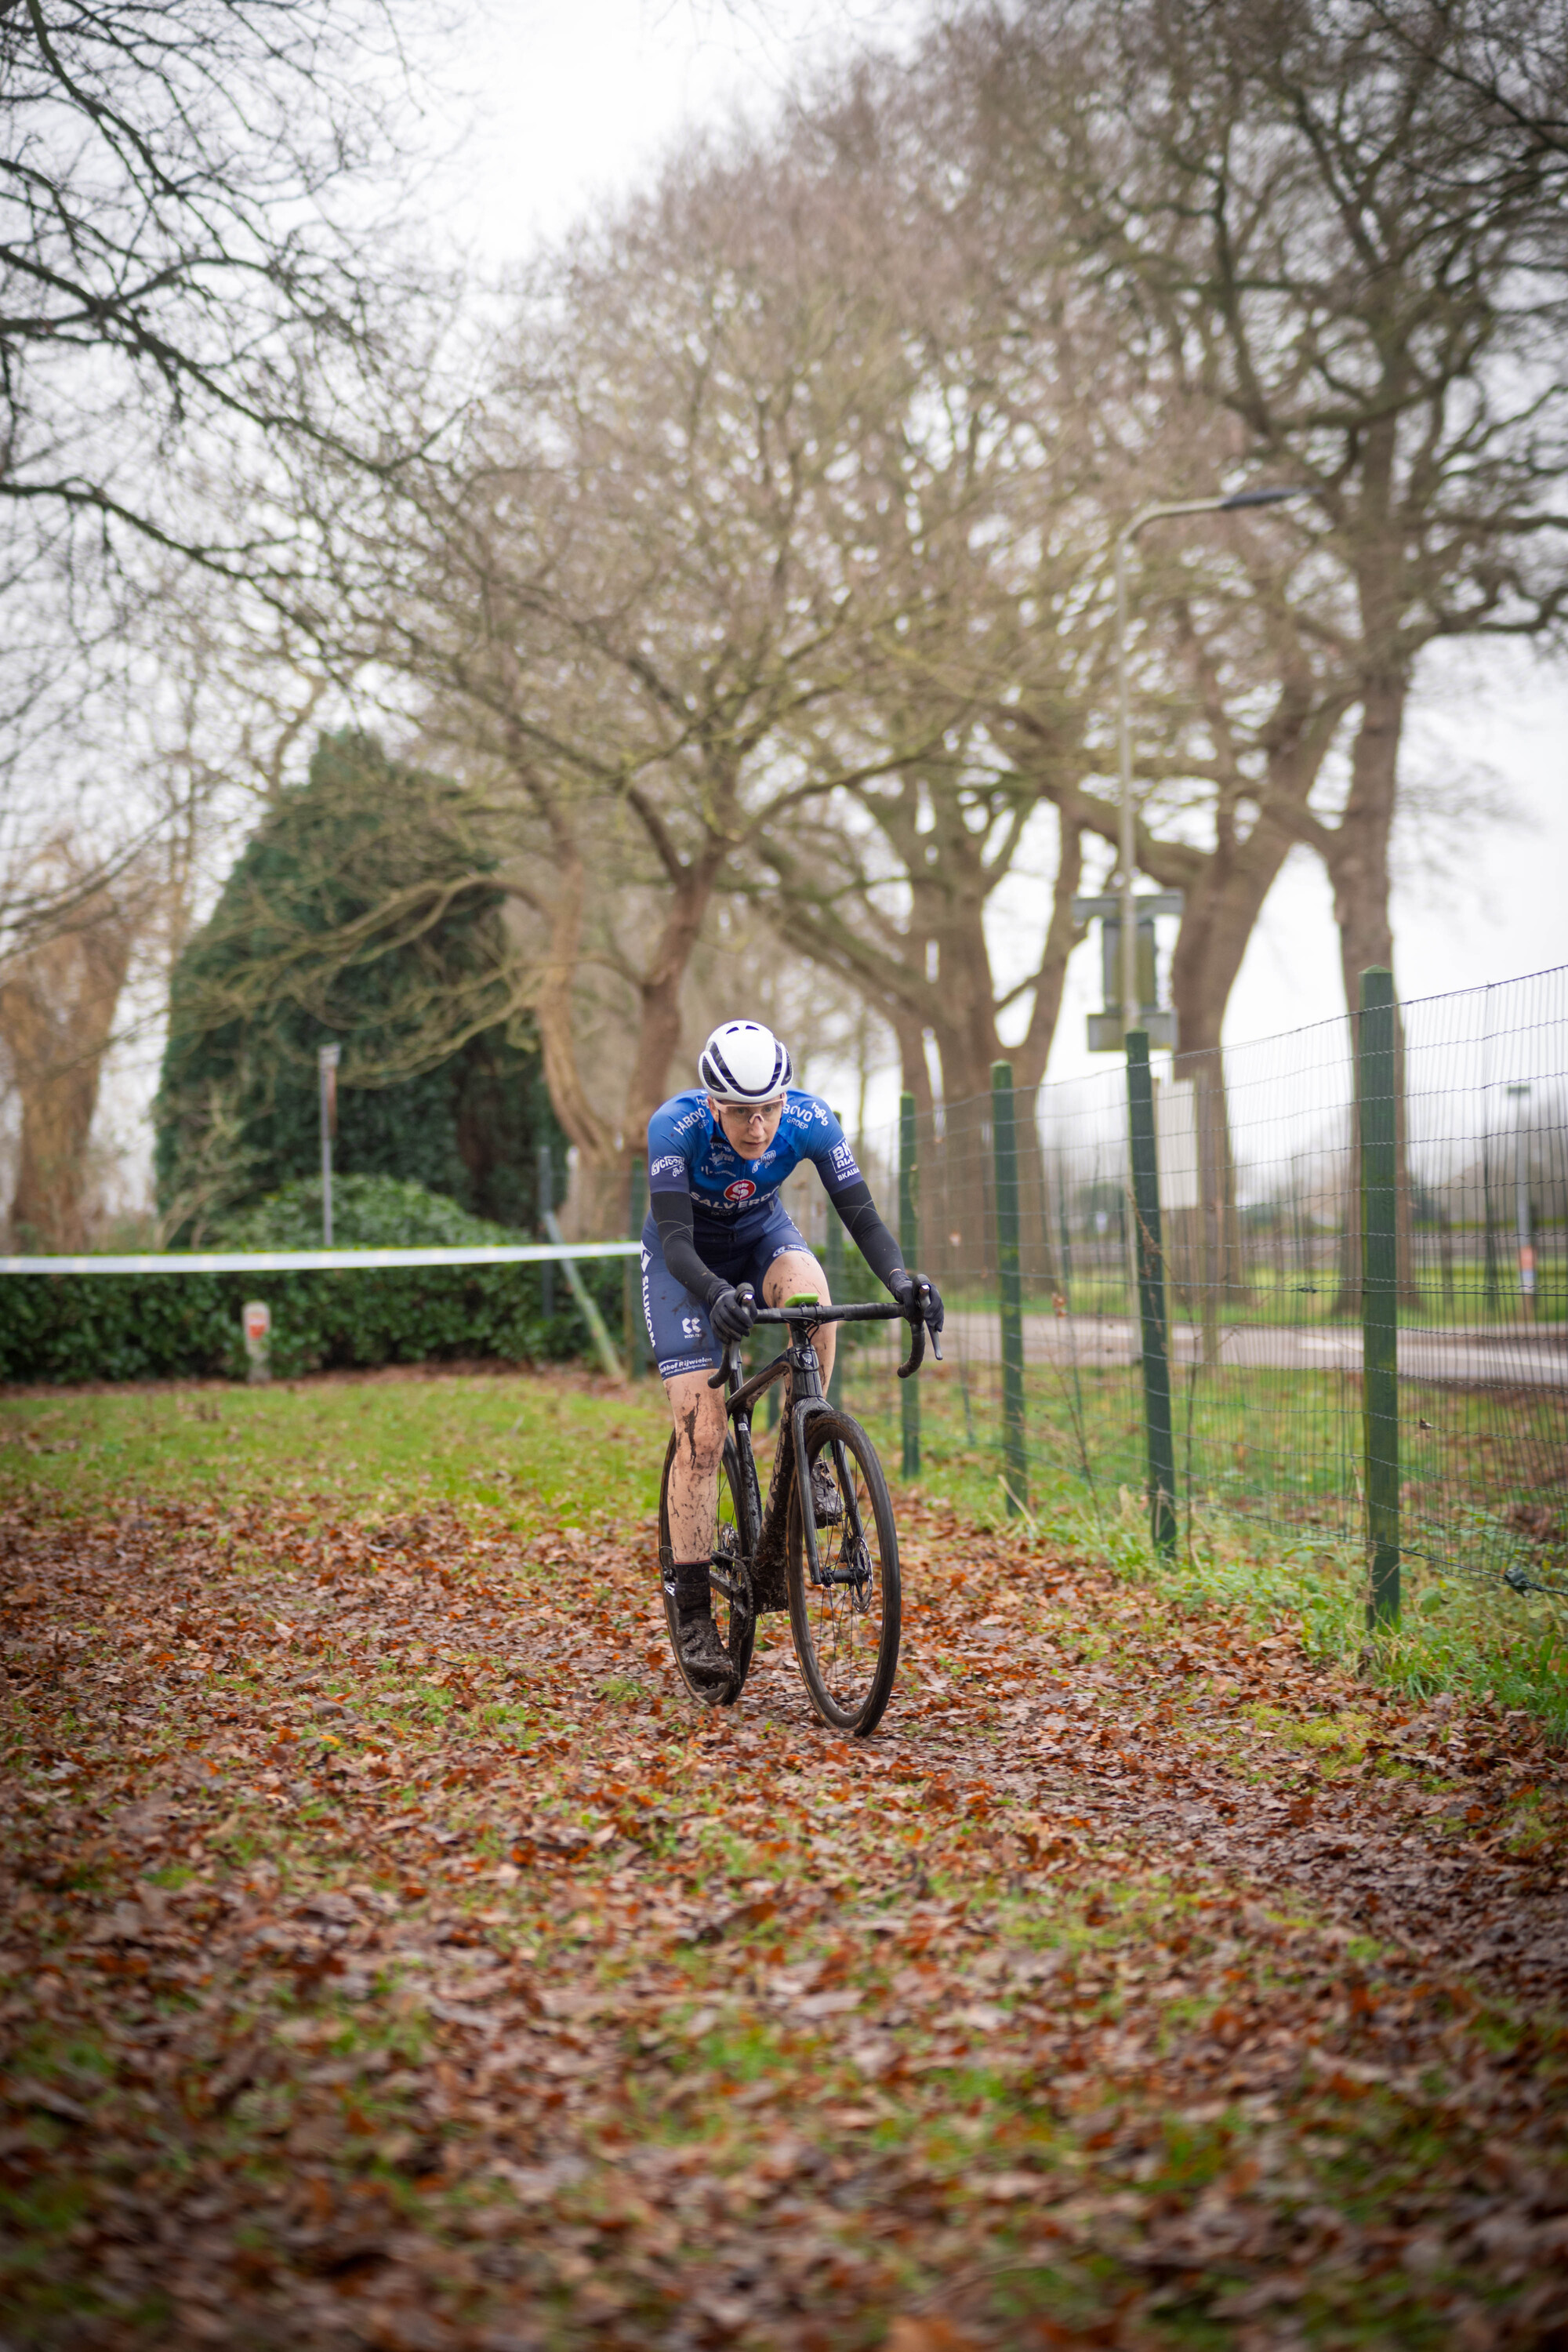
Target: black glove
{"x": 732, "y": 1316}
{"x": 902, "y": 1286}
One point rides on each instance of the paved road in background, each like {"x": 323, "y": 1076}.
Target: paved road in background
{"x": 1464, "y": 1358}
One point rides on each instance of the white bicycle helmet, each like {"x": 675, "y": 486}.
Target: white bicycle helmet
{"x": 744, "y": 1063}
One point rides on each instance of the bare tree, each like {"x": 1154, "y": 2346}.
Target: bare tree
{"x": 627, "y": 590}
{"x": 170, "y": 247}
{"x": 196, "y": 208}
{"x": 1311, "y": 225}
{"x": 58, "y": 1005}
{"x": 1509, "y": 59}
{"x": 1033, "y": 424}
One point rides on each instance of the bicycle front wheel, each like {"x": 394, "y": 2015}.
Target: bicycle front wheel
{"x": 730, "y": 1581}
{"x": 846, "y": 1620}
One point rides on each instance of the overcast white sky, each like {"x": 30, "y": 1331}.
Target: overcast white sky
{"x": 576, "y": 101}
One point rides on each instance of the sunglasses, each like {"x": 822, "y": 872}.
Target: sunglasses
{"x": 751, "y": 1114}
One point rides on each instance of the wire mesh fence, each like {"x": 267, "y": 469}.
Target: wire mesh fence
{"x": 1279, "y": 1249}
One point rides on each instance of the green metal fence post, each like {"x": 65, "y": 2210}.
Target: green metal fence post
{"x": 908, "y": 1243}
{"x": 634, "y": 1331}
{"x": 1151, "y": 1262}
{"x": 1375, "y": 1085}
{"x": 1004, "y": 1150}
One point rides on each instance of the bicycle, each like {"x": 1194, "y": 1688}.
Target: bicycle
{"x": 844, "y": 1616}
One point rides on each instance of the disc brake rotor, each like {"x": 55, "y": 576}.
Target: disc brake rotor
{"x": 857, "y": 1557}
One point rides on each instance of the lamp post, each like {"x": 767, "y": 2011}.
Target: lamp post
{"x": 1132, "y": 1015}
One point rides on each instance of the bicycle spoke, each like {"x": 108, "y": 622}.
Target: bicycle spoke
{"x": 846, "y": 1620}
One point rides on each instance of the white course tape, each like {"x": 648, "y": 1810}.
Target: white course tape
{"x": 314, "y": 1261}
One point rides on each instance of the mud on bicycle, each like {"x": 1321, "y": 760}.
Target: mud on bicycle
{"x": 833, "y": 1562}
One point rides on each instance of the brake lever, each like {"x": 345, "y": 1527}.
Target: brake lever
{"x": 924, "y": 1308}
{"x": 730, "y": 1357}
{"x": 920, "y": 1331}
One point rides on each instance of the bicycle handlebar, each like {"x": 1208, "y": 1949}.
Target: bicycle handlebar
{"x": 872, "y": 1311}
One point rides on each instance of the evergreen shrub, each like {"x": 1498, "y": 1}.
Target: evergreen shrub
{"x": 361, "y": 910}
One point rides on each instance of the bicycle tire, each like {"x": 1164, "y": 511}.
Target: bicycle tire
{"x": 846, "y": 1635}
{"x": 736, "y": 1536}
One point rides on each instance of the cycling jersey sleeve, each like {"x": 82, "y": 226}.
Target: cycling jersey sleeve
{"x": 672, "y": 1215}
{"x": 831, "y": 1154}
{"x": 857, "y": 1213}
{"x": 668, "y": 1164}
{"x": 834, "y": 1160}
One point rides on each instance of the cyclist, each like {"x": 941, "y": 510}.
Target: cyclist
{"x": 717, "y": 1156}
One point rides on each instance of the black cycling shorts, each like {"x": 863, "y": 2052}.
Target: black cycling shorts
{"x": 677, "y": 1326}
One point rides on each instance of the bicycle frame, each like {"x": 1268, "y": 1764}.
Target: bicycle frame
{"x": 802, "y": 1365}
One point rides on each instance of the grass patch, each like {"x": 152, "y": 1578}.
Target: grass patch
{"x": 535, "y": 1450}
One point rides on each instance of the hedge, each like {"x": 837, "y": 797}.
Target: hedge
{"x": 130, "y": 1326}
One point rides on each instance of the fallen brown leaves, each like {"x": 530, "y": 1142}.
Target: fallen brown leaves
{"x": 392, "y": 1959}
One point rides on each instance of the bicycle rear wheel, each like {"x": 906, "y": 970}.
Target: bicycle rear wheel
{"x": 728, "y": 1580}
{"x": 847, "y": 1625}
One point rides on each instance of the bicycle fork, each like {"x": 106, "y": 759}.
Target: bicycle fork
{"x": 788, "y": 1469}
{"x": 852, "y": 1542}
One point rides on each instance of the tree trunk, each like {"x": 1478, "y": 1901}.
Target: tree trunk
{"x": 1038, "y": 1212}
{"x": 1356, "y": 853}
{"x": 56, "y": 1013}
{"x": 916, "y": 1069}
{"x": 1356, "y": 849}
{"x": 596, "y": 1204}
{"x": 1218, "y": 923}
{"x": 551, "y": 1000}
{"x": 966, "y": 1038}
{"x": 658, "y": 1031}
{"x": 1062, "y": 935}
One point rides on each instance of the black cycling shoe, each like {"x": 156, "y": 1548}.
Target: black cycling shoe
{"x": 827, "y": 1502}
{"x": 703, "y": 1653}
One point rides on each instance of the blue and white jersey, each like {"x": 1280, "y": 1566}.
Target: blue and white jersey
{"x": 688, "y": 1151}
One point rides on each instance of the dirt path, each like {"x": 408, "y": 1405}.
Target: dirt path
{"x": 391, "y": 1958}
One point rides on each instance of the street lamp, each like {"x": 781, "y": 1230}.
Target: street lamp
{"x": 1131, "y": 1013}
